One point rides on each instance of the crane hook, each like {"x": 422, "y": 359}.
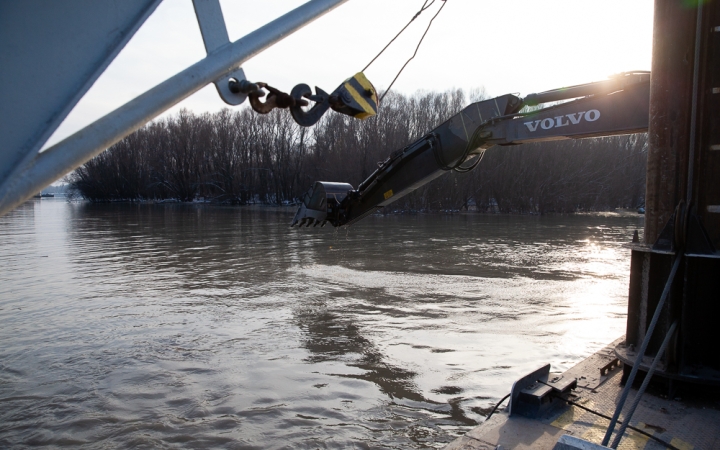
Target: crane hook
{"x": 312, "y": 116}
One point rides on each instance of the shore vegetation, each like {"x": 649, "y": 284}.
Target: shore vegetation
{"x": 240, "y": 157}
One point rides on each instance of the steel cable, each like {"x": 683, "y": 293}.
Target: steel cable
{"x": 423, "y": 8}
{"x": 416, "y": 50}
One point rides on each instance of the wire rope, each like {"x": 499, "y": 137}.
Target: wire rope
{"x": 423, "y": 8}
{"x": 417, "y": 14}
{"x": 416, "y": 50}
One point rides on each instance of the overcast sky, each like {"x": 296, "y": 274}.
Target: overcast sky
{"x": 508, "y": 46}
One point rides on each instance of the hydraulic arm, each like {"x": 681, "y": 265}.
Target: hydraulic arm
{"x": 619, "y": 105}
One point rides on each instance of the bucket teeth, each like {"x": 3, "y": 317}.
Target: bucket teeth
{"x": 321, "y": 198}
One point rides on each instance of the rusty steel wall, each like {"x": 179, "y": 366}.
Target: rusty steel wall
{"x": 669, "y": 123}
{"x": 682, "y": 199}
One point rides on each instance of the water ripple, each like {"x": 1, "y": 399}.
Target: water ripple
{"x": 193, "y": 326}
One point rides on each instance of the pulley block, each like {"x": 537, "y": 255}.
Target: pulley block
{"x": 355, "y": 97}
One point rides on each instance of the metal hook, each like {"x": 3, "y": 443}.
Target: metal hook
{"x": 313, "y": 115}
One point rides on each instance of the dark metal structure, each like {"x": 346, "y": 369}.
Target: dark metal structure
{"x": 682, "y": 201}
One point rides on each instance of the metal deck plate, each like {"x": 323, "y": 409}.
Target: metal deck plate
{"x": 684, "y": 424}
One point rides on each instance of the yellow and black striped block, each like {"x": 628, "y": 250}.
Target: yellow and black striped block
{"x": 356, "y": 97}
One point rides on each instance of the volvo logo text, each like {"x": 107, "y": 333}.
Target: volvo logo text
{"x": 563, "y": 121}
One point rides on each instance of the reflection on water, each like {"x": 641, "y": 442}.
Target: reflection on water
{"x": 204, "y": 326}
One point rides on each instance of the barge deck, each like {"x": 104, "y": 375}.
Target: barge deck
{"x": 684, "y": 422}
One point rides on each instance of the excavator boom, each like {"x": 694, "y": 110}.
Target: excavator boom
{"x": 617, "y": 106}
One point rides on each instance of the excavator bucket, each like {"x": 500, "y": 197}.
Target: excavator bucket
{"x": 323, "y": 197}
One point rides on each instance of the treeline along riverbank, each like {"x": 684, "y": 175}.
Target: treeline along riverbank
{"x": 240, "y": 157}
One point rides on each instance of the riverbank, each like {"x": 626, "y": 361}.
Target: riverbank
{"x": 617, "y": 212}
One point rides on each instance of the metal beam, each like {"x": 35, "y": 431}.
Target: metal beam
{"x": 75, "y": 150}
{"x": 51, "y": 53}
{"x": 214, "y": 33}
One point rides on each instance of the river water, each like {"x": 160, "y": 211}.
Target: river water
{"x": 199, "y": 326}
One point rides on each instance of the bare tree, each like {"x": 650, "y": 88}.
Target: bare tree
{"x": 240, "y": 157}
